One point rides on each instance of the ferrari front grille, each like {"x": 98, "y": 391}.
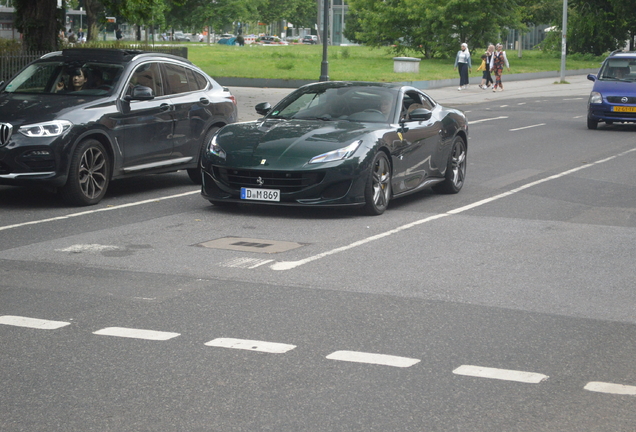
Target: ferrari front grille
{"x": 285, "y": 181}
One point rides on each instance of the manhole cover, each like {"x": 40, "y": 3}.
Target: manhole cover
{"x": 250, "y": 245}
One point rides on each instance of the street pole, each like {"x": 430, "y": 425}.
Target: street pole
{"x": 324, "y": 66}
{"x": 564, "y": 39}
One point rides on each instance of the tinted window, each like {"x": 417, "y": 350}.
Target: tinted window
{"x": 177, "y": 79}
{"x": 195, "y": 80}
{"x": 147, "y": 75}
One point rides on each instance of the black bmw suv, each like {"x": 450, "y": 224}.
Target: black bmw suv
{"x": 78, "y": 118}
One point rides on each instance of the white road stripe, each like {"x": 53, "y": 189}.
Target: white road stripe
{"x": 288, "y": 265}
{"x": 485, "y": 120}
{"x": 527, "y": 127}
{"x": 109, "y": 208}
{"x": 35, "y": 323}
{"x": 379, "y": 359}
{"x": 251, "y": 345}
{"x": 603, "y": 387}
{"x": 136, "y": 333}
{"x": 500, "y": 374}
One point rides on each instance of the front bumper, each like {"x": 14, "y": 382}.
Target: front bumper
{"x": 332, "y": 187}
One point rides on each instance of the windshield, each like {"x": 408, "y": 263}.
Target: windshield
{"x": 361, "y": 103}
{"x": 619, "y": 69}
{"x": 55, "y": 77}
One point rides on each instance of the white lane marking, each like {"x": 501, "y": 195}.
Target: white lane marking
{"x": 251, "y": 345}
{"x": 84, "y": 213}
{"x": 79, "y": 248}
{"x": 527, "y": 127}
{"x": 288, "y": 265}
{"x": 500, "y": 374}
{"x": 603, "y": 387}
{"x": 578, "y": 116}
{"x": 521, "y": 103}
{"x": 485, "y": 120}
{"x": 379, "y": 359}
{"x": 503, "y": 106}
{"x": 248, "y": 263}
{"x": 136, "y": 333}
{"x": 578, "y": 98}
{"x": 35, "y": 323}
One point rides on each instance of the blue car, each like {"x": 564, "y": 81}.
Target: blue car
{"x": 613, "y": 97}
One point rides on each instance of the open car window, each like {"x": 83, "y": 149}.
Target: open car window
{"x": 57, "y": 78}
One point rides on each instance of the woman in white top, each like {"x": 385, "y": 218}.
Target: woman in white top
{"x": 462, "y": 61}
{"x": 497, "y": 63}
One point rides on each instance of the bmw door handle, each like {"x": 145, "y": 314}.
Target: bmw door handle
{"x": 165, "y": 107}
{"x": 204, "y": 101}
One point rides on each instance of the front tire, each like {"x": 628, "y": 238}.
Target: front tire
{"x": 195, "y": 173}
{"x": 591, "y": 123}
{"x": 377, "y": 192}
{"x": 455, "y": 170}
{"x": 89, "y": 174}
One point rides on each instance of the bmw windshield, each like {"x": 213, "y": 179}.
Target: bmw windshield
{"x": 55, "y": 77}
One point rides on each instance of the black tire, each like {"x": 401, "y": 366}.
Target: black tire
{"x": 377, "y": 191}
{"x": 455, "y": 170}
{"x": 88, "y": 176}
{"x": 195, "y": 173}
{"x": 591, "y": 123}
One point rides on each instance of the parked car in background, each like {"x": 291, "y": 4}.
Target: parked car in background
{"x": 78, "y": 118}
{"x": 272, "y": 40}
{"x": 180, "y": 36}
{"x": 613, "y": 97}
{"x": 339, "y": 144}
{"x": 310, "y": 39}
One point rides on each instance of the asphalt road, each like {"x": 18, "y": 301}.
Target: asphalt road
{"x": 507, "y": 307}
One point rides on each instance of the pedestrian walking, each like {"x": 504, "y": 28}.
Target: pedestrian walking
{"x": 486, "y": 78}
{"x": 497, "y": 63}
{"x": 462, "y": 62}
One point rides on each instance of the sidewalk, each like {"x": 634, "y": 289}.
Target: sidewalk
{"x": 579, "y": 86}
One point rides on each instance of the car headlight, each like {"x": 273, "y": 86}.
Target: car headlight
{"x": 596, "y": 97}
{"x": 47, "y": 129}
{"x": 215, "y": 148}
{"x": 339, "y": 154}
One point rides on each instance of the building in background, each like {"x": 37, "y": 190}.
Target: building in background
{"x": 338, "y": 10}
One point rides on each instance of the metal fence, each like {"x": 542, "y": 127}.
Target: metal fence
{"x": 12, "y": 62}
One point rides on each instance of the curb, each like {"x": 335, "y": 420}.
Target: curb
{"x": 282, "y": 83}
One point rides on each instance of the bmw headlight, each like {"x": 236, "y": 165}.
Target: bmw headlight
{"x": 336, "y": 155}
{"x": 596, "y": 97}
{"x": 215, "y": 148}
{"x": 47, "y": 129}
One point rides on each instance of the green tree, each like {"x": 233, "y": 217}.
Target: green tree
{"x": 596, "y": 26}
{"x": 433, "y": 27}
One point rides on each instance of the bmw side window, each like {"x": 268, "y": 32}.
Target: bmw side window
{"x": 147, "y": 75}
{"x": 195, "y": 80}
{"x": 177, "y": 79}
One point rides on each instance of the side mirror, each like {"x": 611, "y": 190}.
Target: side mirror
{"x": 141, "y": 93}
{"x": 591, "y": 77}
{"x": 263, "y": 108}
{"x": 420, "y": 114}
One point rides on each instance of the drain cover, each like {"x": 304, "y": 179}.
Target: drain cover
{"x": 250, "y": 245}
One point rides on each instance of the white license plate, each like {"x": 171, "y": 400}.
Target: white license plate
{"x": 260, "y": 194}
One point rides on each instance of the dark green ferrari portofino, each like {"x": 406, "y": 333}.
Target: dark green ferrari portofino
{"x": 339, "y": 144}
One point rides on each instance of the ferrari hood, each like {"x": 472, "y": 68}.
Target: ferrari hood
{"x": 285, "y": 143}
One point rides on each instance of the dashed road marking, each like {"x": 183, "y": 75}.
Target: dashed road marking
{"x": 603, "y": 387}
{"x": 527, "y": 127}
{"x": 136, "y": 333}
{"x": 35, "y": 323}
{"x": 500, "y": 374}
{"x": 488, "y": 119}
{"x": 371, "y": 358}
{"x": 248, "y": 263}
{"x": 251, "y": 345}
